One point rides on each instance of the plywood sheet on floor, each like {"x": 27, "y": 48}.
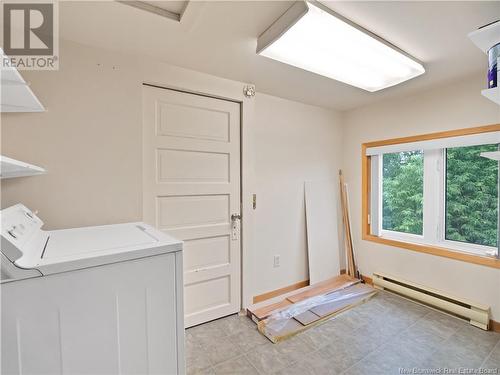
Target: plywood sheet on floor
{"x": 332, "y": 284}
{"x": 297, "y": 317}
{"x": 263, "y": 309}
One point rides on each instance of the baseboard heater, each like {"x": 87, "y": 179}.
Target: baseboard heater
{"x": 476, "y": 314}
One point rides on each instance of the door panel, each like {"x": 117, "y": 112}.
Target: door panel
{"x": 192, "y": 166}
{"x": 191, "y": 169}
{"x": 192, "y": 122}
{"x": 207, "y": 252}
{"x": 192, "y": 211}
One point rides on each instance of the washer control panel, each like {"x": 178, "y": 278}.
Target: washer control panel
{"x": 19, "y": 226}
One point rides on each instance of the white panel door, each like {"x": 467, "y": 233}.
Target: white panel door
{"x": 191, "y": 161}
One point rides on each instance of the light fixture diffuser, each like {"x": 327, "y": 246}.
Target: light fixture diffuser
{"x": 312, "y": 37}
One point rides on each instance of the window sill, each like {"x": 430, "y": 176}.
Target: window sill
{"x": 438, "y": 251}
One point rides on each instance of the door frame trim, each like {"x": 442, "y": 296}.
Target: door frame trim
{"x": 246, "y": 184}
{"x": 192, "y": 92}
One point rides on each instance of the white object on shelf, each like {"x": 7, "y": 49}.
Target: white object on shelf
{"x": 494, "y": 155}
{"x": 10, "y": 168}
{"x": 486, "y": 37}
{"x": 493, "y": 94}
{"x": 16, "y": 95}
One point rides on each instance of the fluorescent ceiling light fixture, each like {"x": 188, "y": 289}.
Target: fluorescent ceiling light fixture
{"x": 312, "y": 37}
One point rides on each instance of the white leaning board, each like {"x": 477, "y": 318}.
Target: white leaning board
{"x": 322, "y": 230}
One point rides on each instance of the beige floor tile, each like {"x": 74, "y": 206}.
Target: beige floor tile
{"x": 237, "y": 366}
{"x": 379, "y": 337}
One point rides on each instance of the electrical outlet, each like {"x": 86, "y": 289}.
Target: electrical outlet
{"x": 276, "y": 262}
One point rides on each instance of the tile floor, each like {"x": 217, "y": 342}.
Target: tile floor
{"x": 382, "y": 336}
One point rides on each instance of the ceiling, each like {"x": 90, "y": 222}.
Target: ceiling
{"x": 220, "y": 38}
{"x": 172, "y": 6}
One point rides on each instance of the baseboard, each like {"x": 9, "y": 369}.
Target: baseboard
{"x": 277, "y": 292}
{"x": 495, "y": 326}
{"x": 367, "y": 280}
{"x": 286, "y": 289}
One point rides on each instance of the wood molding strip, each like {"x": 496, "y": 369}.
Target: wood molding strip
{"x": 280, "y": 291}
{"x": 438, "y": 251}
{"x": 427, "y": 249}
{"x": 438, "y": 135}
{"x": 367, "y": 280}
{"x": 286, "y": 289}
{"x": 495, "y": 326}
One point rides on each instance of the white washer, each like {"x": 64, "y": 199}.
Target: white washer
{"x": 93, "y": 300}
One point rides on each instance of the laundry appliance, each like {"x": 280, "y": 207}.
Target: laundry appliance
{"x": 92, "y": 300}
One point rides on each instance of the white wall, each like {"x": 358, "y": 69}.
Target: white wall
{"x": 90, "y": 142}
{"x": 90, "y": 137}
{"x": 458, "y": 105}
{"x": 294, "y": 142}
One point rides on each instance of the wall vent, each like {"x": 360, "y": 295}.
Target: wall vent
{"x": 478, "y": 315}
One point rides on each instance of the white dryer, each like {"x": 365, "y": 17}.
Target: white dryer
{"x": 93, "y": 300}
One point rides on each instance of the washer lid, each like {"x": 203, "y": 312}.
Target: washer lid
{"x": 93, "y": 240}
{"x": 77, "y": 248}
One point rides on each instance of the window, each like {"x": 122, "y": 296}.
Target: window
{"x": 438, "y": 195}
{"x": 471, "y": 196}
{"x": 403, "y": 192}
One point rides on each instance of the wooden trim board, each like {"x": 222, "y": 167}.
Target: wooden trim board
{"x": 280, "y": 291}
{"x": 293, "y": 327}
{"x": 437, "y": 135}
{"x": 260, "y": 311}
{"x": 438, "y": 251}
{"x": 427, "y": 249}
{"x": 346, "y": 220}
{"x": 495, "y": 326}
{"x": 338, "y": 282}
{"x": 367, "y": 280}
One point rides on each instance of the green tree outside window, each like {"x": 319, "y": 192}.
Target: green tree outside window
{"x": 471, "y": 195}
{"x": 403, "y": 192}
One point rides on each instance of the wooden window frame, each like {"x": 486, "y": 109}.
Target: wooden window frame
{"x": 427, "y": 249}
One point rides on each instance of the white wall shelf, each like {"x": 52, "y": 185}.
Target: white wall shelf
{"x": 492, "y": 94}
{"x": 16, "y": 95}
{"x": 486, "y": 37}
{"x": 495, "y": 155}
{"x": 10, "y": 168}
